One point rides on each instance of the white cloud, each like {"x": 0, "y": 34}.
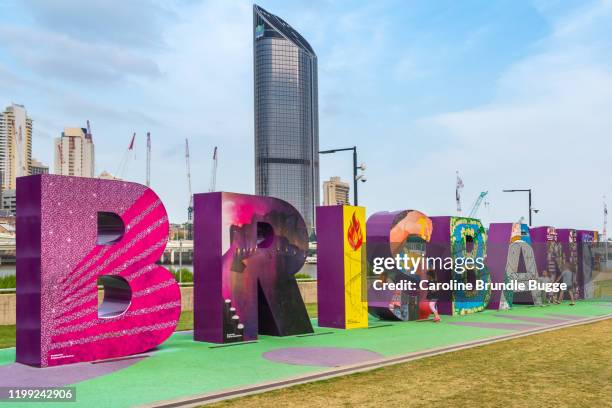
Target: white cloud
{"x": 548, "y": 128}
{"x": 186, "y": 71}
{"x": 56, "y": 55}
{"x": 133, "y": 23}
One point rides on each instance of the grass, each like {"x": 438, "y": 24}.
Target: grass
{"x": 562, "y": 368}
{"x": 184, "y": 274}
{"x": 603, "y": 289}
{"x": 185, "y": 321}
{"x": 311, "y": 308}
{"x": 8, "y": 281}
{"x": 7, "y": 333}
{"x": 7, "y": 336}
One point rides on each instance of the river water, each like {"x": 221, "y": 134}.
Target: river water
{"x": 6, "y": 270}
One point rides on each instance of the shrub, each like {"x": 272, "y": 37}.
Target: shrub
{"x": 8, "y": 282}
{"x": 303, "y": 276}
{"x": 187, "y": 275}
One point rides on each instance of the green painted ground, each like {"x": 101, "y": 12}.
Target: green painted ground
{"x": 183, "y": 367}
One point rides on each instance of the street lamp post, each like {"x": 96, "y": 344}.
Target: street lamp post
{"x": 356, "y": 177}
{"x": 523, "y": 190}
{"x": 180, "y": 261}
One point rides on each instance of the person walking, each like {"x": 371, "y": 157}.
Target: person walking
{"x": 567, "y": 276}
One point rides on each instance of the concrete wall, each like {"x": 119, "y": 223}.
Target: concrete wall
{"x": 7, "y": 309}
{"x": 308, "y": 291}
{"x": 7, "y": 301}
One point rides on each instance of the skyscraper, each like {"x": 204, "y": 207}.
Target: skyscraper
{"x": 286, "y": 114}
{"x": 74, "y": 153}
{"x": 335, "y": 192}
{"x": 15, "y": 145}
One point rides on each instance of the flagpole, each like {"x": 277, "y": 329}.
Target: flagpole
{"x": 457, "y": 191}
{"x": 458, "y": 188}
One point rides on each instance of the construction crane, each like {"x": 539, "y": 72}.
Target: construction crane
{"x": 188, "y": 166}
{"x": 477, "y": 203}
{"x": 126, "y": 156}
{"x": 213, "y": 176}
{"x": 148, "y": 159}
{"x": 61, "y": 158}
{"x": 21, "y": 165}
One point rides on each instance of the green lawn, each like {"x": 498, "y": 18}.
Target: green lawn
{"x": 7, "y": 282}
{"x": 311, "y": 308}
{"x": 7, "y": 336}
{"x": 603, "y": 289}
{"x": 7, "y": 333}
{"x": 562, "y": 368}
{"x": 186, "y": 321}
{"x": 181, "y": 367}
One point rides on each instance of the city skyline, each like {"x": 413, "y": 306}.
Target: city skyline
{"x": 500, "y": 92}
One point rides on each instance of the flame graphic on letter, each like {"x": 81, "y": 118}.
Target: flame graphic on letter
{"x": 354, "y": 234}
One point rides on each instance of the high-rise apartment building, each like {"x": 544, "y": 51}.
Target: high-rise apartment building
{"x": 74, "y": 153}
{"x": 335, "y": 192}
{"x": 15, "y": 145}
{"x": 9, "y": 202}
{"x": 286, "y": 114}
{"x": 37, "y": 167}
{"x": 105, "y": 175}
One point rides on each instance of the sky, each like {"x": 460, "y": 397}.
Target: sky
{"x": 512, "y": 94}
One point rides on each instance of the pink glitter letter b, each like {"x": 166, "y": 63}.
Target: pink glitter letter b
{"x": 73, "y": 234}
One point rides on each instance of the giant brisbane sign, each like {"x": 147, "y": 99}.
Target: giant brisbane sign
{"x": 75, "y": 234}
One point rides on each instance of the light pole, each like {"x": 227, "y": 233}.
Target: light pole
{"x": 180, "y": 261}
{"x": 523, "y": 190}
{"x": 356, "y": 177}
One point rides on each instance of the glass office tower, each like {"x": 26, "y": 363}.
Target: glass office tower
{"x": 286, "y": 114}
